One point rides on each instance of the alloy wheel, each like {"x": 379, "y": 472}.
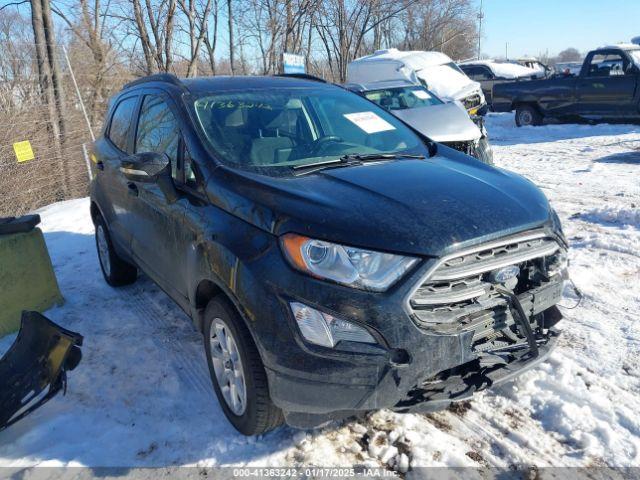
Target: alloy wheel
{"x": 103, "y": 250}
{"x": 228, "y": 368}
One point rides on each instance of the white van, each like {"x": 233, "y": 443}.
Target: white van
{"x": 435, "y": 70}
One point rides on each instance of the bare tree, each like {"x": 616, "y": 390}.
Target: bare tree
{"x": 441, "y": 25}
{"x": 276, "y": 26}
{"x": 232, "y": 46}
{"x": 90, "y": 25}
{"x": 42, "y": 36}
{"x": 18, "y": 80}
{"x": 211, "y": 36}
{"x": 154, "y": 25}
{"x": 197, "y": 16}
{"x": 343, "y": 26}
{"x": 569, "y": 55}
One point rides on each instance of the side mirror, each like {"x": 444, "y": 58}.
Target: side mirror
{"x": 632, "y": 69}
{"x": 151, "y": 167}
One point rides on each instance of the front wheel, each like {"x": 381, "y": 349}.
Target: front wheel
{"x": 237, "y": 372}
{"x": 527, "y": 115}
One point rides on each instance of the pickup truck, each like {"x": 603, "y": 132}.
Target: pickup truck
{"x": 606, "y": 89}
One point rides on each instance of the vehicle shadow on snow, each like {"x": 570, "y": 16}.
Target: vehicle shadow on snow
{"x": 142, "y": 395}
{"x": 631, "y": 158}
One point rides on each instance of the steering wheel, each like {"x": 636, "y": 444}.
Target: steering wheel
{"x": 318, "y": 143}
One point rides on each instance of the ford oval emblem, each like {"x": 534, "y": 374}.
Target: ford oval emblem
{"x": 505, "y": 274}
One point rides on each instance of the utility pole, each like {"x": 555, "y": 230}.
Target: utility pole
{"x": 480, "y": 17}
{"x": 506, "y": 50}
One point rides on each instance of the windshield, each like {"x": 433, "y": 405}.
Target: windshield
{"x": 294, "y": 126}
{"x": 402, "y": 98}
{"x": 635, "y": 55}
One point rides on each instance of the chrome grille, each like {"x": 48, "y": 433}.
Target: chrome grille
{"x": 459, "y": 284}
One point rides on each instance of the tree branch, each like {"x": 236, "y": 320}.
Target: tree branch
{"x": 13, "y": 4}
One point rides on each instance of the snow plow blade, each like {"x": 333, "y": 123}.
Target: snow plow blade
{"x": 35, "y": 368}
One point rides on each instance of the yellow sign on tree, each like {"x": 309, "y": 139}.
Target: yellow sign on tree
{"x": 23, "y": 150}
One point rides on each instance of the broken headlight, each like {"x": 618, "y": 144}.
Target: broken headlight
{"x": 351, "y": 266}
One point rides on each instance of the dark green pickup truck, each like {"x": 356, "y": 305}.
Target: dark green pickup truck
{"x": 607, "y": 89}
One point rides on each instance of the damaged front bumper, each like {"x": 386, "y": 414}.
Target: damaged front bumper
{"x": 450, "y": 331}
{"x": 462, "y": 382}
{"x": 408, "y": 388}
{"x": 35, "y": 368}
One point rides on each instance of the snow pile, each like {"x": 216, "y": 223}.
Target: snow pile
{"x": 142, "y": 395}
{"x": 615, "y": 215}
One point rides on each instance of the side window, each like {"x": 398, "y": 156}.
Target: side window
{"x": 486, "y": 73}
{"x": 158, "y": 130}
{"x": 468, "y": 71}
{"x": 474, "y": 73}
{"x": 121, "y": 122}
{"x": 605, "y": 65}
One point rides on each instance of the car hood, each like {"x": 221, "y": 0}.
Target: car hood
{"x": 420, "y": 207}
{"x": 446, "y": 122}
{"x": 452, "y": 89}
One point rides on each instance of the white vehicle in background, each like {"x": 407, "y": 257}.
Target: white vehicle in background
{"x": 434, "y": 70}
{"x": 542, "y": 70}
{"x": 447, "y": 123}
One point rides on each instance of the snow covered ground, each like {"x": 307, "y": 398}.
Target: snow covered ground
{"x": 142, "y": 395}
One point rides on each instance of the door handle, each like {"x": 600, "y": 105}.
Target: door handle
{"x": 132, "y": 189}
{"x": 100, "y": 165}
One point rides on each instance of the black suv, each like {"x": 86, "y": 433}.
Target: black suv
{"x": 335, "y": 260}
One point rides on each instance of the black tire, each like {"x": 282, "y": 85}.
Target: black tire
{"x": 483, "y": 151}
{"x": 528, "y": 115}
{"x": 117, "y": 272}
{"x": 260, "y": 414}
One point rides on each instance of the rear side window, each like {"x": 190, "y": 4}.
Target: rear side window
{"x": 158, "y": 130}
{"x": 121, "y": 122}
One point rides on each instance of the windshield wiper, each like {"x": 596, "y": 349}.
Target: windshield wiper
{"x": 372, "y": 157}
{"x": 353, "y": 159}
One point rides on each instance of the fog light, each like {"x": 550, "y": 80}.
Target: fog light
{"x": 324, "y": 329}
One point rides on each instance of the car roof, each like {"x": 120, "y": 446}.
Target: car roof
{"x": 488, "y": 62}
{"x": 203, "y": 85}
{"x": 411, "y": 58}
{"x": 621, "y": 46}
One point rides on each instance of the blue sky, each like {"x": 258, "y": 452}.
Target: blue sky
{"x": 535, "y": 26}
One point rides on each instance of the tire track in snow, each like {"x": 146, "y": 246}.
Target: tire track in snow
{"x": 167, "y": 325}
